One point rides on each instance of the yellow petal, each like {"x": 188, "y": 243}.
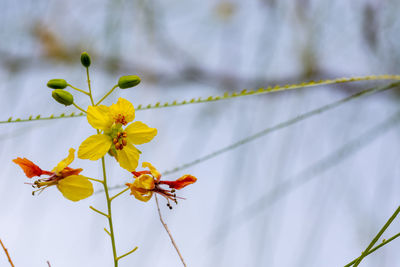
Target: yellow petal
{"x": 65, "y": 162}
{"x": 139, "y": 133}
{"x": 128, "y": 157}
{"x": 123, "y": 110}
{"x": 152, "y": 169}
{"x": 94, "y": 147}
{"x": 144, "y": 181}
{"x": 142, "y": 196}
{"x": 99, "y": 117}
{"x": 75, "y": 187}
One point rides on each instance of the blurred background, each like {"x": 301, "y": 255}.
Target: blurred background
{"x": 311, "y": 194}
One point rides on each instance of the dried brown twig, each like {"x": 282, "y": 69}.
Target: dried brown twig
{"x": 8, "y": 255}
{"x": 170, "y": 236}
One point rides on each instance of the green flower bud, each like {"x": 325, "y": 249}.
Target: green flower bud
{"x": 57, "y": 83}
{"x": 63, "y": 97}
{"x": 128, "y": 81}
{"x": 85, "y": 59}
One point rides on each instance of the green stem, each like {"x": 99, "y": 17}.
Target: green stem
{"x": 365, "y": 252}
{"x": 78, "y": 107}
{"x": 107, "y": 232}
{"x": 109, "y": 212}
{"x": 109, "y": 92}
{"x": 99, "y": 212}
{"x": 104, "y": 182}
{"x": 77, "y": 89}
{"x": 90, "y": 88}
{"x": 120, "y": 193}
{"x": 95, "y": 180}
{"x": 375, "y": 248}
{"x": 126, "y": 254}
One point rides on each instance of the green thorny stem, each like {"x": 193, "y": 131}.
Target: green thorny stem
{"x": 269, "y": 89}
{"x": 376, "y": 238}
{"x": 104, "y": 182}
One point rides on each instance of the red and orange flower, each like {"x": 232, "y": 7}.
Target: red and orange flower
{"x": 148, "y": 182}
{"x": 71, "y": 184}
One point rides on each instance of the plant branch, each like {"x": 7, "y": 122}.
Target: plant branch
{"x": 383, "y": 229}
{"x": 120, "y": 193}
{"x": 95, "y": 180}
{"x": 90, "y": 88}
{"x": 77, "y": 89}
{"x": 99, "y": 212}
{"x": 375, "y": 248}
{"x": 126, "y": 254}
{"x": 8, "y": 255}
{"x": 110, "y": 222}
{"x": 166, "y": 229}
{"x": 109, "y": 92}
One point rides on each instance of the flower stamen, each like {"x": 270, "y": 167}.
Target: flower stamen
{"x": 119, "y": 118}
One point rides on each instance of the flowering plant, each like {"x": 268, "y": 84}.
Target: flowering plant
{"x": 117, "y": 135}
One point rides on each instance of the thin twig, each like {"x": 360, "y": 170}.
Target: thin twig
{"x": 166, "y": 229}
{"x": 48, "y": 263}
{"x": 99, "y": 212}
{"x": 375, "y": 248}
{"x": 8, "y": 255}
{"x": 376, "y": 238}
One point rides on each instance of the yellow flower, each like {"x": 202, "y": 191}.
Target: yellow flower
{"x": 113, "y": 138}
{"x": 72, "y": 185}
{"x": 148, "y": 182}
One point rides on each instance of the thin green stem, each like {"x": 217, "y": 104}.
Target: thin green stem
{"x": 229, "y": 96}
{"x": 120, "y": 193}
{"x": 365, "y": 252}
{"x": 104, "y": 97}
{"x": 104, "y": 182}
{"x": 90, "y": 88}
{"x": 78, "y": 107}
{"x": 375, "y": 248}
{"x": 126, "y": 254}
{"x": 99, "y": 212}
{"x": 95, "y": 180}
{"x": 109, "y": 212}
{"x": 77, "y": 89}
{"x": 105, "y": 229}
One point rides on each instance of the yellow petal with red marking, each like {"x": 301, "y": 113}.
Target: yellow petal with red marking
{"x": 94, "y": 147}
{"x": 139, "y": 133}
{"x": 65, "y": 162}
{"x": 75, "y": 187}
{"x": 128, "y": 157}
{"x": 99, "y": 117}
{"x": 122, "y": 112}
{"x": 156, "y": 174}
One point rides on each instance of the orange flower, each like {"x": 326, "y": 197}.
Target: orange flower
{"x": 148, "y": 182}
{"x": 72, "y": 185}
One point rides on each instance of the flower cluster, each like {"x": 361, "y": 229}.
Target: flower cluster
{"x": 117, "y": 135}
{"x": 71, "y": 184}
{"x": 148, "y": 182}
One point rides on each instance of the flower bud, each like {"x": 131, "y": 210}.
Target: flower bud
{"x": 128, "y": 81}
{"x": 85, "y": 59}
{"x": 57, "y": 83}
{"x": 63, "y": 97}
